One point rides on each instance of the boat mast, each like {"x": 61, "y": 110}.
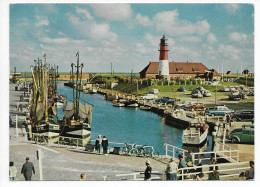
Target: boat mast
{"x": 45, "y": 86}
{"x": 77, "y": 89}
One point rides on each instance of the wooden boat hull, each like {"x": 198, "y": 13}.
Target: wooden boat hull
{"x": 51, "y": 131}
{"x": 81, "y": 131}
{"x": 176, "y": 122}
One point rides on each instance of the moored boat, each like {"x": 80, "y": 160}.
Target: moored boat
{"x": 131, "y": 103}
{"x": 76, "y": 123}
{"x": 196, "y": 133}
{"x": 119, "y": 102}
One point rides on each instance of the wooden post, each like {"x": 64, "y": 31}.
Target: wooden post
{"x": 16, "y": 127}
{"x": 166, "y": 150}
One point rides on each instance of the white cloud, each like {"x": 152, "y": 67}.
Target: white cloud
{"x": 168, "y": 22}
{"x": 101, "y": 31}
{"x": 73, "y": 19}
{"x": 192, "y": 39}
{"x": 212, "y": 38}
{"x": 140, "y": 48}
{"x": 229, "y": 52}
{"x": 23, "y": 22}
{"x": 85, "y": 12}
{"x": 237, "y": 37}
{"x": 61, "y": 41}
{"x": 143, "y": 20}
{"x": 232, "y": 8}
{"x": 113, "y": 12}
{"x": 41, "y": 21}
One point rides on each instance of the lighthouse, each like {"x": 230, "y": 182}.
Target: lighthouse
{"x": 163, "y": 59}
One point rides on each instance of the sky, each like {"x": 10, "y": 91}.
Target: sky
{"x": 221, "y": 36}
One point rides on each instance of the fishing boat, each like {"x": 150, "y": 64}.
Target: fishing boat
{"x": 42, "y": 109}
{"x": 76, "y": 122}
{"x": 119, "y": 102}
{"x": 196, "y": 133}
{"x": 131, "y": 103}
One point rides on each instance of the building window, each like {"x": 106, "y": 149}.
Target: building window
{"x": 179, "y": 70}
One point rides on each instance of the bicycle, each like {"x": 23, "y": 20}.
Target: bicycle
{"x": 127, "y": 148}
{"x": 139, "y": 151}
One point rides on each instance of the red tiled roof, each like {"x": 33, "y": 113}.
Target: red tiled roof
{"x": 177, "y": 68}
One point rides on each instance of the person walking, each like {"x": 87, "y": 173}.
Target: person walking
{"x": 12, "y": 171}
{"x": 98, "y": 143}
{"x": 171, "y": 170}
{"x": 148, "y": 170}
{"x": 27, "y": 169}
{"x": 104, "y": 145}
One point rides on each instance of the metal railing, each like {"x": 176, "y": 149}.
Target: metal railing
{"x": 174, "y": 150}
{"x": 236, "y": 168}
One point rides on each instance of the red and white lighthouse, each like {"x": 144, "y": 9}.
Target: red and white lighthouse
{"x": 163, "y": 59}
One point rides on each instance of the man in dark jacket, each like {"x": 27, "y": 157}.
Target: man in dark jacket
{"x": 27, "y": 169}
{"x": 148, "y": 170}
{"x": 104, "y": 144}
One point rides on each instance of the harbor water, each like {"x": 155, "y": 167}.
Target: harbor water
{"x": 127, "y": 125}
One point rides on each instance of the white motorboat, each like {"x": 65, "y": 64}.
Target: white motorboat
{"x": 196, "y": 133}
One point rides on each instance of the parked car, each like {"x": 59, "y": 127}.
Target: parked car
{"x": 251, "y": 91}
{"x": 196, "y": 94}
{"x": 201, "y": 89}
{"x": 207, "y": 94}
{"x": 182, "y": 89}
{"x": 224, "y": 89}
{"x": 237, "y": 88}
{"x": 219, "y": 111}
{"x": 154, "y": 91}
{"x": 246, "y": 115}
{"x": 234, "y": 96}
{"x": 149, "y": 96}
{"x": 197, "y": 106}
{"x": 232, "y": 88}
{"x": 187, "y": 104}
{"x": 214, "y": 83}
{"x": 243, "y": 135}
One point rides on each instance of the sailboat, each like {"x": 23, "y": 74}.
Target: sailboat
{"x": 76, "y": 123}
{"x": 42, "y": 110}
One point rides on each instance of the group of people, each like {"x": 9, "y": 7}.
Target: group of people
{"x": 173, "y": 168}
{"x": 101, "y": 142}
{"x": 27, "y": 170}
